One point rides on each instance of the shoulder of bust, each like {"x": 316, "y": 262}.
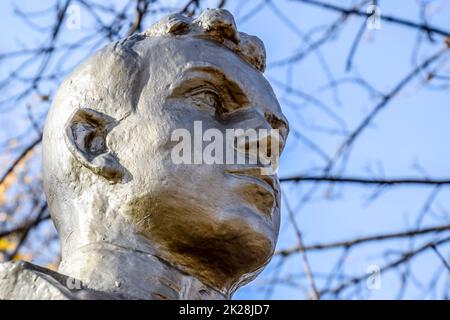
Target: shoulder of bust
{"x": 20, "y": 280}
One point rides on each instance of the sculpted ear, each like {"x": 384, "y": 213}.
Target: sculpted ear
{"x": 85, "y": 136}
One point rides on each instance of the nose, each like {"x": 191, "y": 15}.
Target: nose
{"x": 278, "y": 122}
{"x": 268, "y": 142}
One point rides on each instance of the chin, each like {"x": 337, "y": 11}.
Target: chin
{"x": 220, "y": 243}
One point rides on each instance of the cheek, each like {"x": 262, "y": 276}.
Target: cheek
{"x": 135, "y": 144}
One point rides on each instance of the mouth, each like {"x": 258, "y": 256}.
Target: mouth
{"x": 268, "y": 182}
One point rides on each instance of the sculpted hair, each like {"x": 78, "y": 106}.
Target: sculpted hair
{"x": 217, "y": 25}
{"x": 121, "y": 61}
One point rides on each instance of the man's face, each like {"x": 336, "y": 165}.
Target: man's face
{"x": 219, "y": 221}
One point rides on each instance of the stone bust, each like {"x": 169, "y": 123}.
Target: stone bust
{"x": 132, "y": 223}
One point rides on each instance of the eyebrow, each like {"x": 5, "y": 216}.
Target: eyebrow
{"x": 234, "y": 89}
{"x": 212, "y": 70}
{"x": 203, "y": 67}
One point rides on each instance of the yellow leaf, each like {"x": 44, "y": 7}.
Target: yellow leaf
{"x": 5, "y": 244}
{"x": 25, "y": 256}
{"x": 12, "y": 176}
{"x": 7, "y": 182}
{"x": 52, "y": 266}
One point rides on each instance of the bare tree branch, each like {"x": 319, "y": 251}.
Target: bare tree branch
{"x": 368, "y": 181}
{"x": 364, "y": 240}
{"x": 354, "y": 11}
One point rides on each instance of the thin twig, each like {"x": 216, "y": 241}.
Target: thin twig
{"x": 364, "y": 240}
{"x": 368, "y": 181}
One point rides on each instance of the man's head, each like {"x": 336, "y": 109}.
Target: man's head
{"x": 109, "y": 172}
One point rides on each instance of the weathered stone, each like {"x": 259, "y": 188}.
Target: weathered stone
{"x": 132, "y": 223}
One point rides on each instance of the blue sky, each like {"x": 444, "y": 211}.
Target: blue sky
{"x": 413, "y": 128}
{"x": 411, "y": 132}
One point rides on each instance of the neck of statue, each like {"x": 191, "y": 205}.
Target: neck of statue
{"x": 133, "y": 274}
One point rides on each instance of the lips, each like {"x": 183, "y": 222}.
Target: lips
{"x": 259, "y": 191}
{"x": 269, "y": 182}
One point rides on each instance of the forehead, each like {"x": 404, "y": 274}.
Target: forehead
{"x": 169, "y": 59}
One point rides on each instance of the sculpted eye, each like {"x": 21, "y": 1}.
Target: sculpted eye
{"x": 207, "y": 98}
